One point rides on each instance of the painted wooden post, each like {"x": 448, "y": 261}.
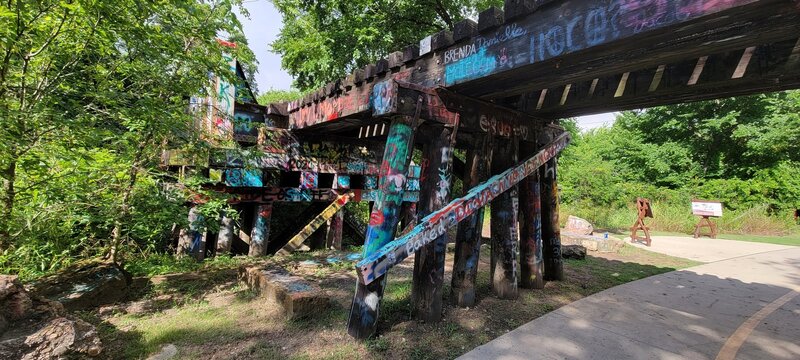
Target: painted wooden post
{"x": 260, "y": 233}
{"x": 530, "y": 247}
{"x": 426, "y": 284}
{"x": 225, "y": 236}
{"x": 408, "y": 216}
{"x": 504, "y": 226}
{"x": 191, "y": 239}
{"x": 383, "y": 221}
{"x": 333, "y": 239}
{"x": 469, "y": 234}
{"x": 551, "y": 233}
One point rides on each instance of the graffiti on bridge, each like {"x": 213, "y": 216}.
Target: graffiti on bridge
{"x": 434, "y": 225}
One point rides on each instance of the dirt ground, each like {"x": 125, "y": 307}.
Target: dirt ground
{"x": 211, "y": 315}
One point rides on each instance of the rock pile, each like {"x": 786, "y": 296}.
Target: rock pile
{"x": 33, "y": 327}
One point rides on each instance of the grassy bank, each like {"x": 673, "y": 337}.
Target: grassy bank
{"x": 208, "y": 314}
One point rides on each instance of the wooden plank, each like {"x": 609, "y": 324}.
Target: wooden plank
{"x": 505, "y": 229}
{"x": 465, "y": 29}
{"x": 259, "y": 237}
{"x": 428, "y": 276}
{"x": 530, "y": 240}
{"x": 225, "y": 236}
{"x": 297, "y": 241}
{"x": 490, "y": 18}
{"x": 375, "y": 265}
{"x": 384, "y": 217}
{"x": 469, "y": 233}
{"x": 333, "y": 239}
{"x": 551, "y": 230}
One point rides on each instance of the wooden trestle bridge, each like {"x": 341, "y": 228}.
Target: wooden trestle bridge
{"x": 495, "y": 88}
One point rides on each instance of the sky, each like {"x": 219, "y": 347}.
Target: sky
{"x": 262, "y": 28}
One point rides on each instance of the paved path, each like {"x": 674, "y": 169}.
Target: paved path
{"x": 705, "y": 249}
{"x": 747, "y": 307}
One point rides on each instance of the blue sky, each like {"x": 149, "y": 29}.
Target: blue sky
{"x": 262, "y": 28}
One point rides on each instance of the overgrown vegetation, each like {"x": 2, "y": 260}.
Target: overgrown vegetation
{"x": 742, "y": 151}
{"x": 90, "y": 94}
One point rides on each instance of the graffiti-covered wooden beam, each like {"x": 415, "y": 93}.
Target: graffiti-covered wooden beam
{"x": 560, "y": 43}
{"x": 435, "y": 224}
{"x": 296, "y": 241}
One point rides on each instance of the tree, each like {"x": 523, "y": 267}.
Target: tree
{"x": 321, "y": 41}
{"x": 86, "y": 80}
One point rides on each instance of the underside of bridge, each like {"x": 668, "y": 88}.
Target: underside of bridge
{"x": 496, "y": 89}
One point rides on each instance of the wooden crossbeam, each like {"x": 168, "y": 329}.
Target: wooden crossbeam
{"x": 439, "y": 221}
{"x": 296, "y": 241}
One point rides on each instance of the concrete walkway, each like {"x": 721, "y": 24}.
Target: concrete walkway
{"x": 704, "y": 249}
{"x": 746, "y": 307}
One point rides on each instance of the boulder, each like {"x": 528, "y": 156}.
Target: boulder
{"x": 578, "y": 226}
{"x": 63, "y": 337}
{"x": 592, "y": 242}
{"x": 576, "y": 252}
{"x": 294, "y": 296}
{"x": 85, "y": 285}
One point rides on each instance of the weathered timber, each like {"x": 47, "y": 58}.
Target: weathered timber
{"x": 505, "y": 227}
{"x": 191, "y": 240}
{"x": 490, "y": 18}
{"x": 333, "y": 239}
{"x": 384, "y": 217}
{"x": 375, "y": 265}
{"x": 551, "y": 231}
{"x": 426, "y": 283}
{"x": 465, "y": 29}
{"x": 296, "y": 241}
{"x": 583, "y": 40}
{"x": 225, "y": 236}
{"x": 530, "y": 222}
{"x": 468, "y": 235}
{"x": 259, "y": 236}
{"x": 765, "y": 71}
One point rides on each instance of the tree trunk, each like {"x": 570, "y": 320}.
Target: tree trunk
{"x": 9, "y": 195}
{"x": 124, "y": 209}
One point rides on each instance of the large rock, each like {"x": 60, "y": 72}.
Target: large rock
{"x": 578, "y": 226}
{"x": 32, "y": 327}
{"x": 591, "y": 242}
{"x": 63, "y": 338}
{"x": 85, "y": 285}
{"x": 576, "y": 252}
{"x": 294, "y": 296}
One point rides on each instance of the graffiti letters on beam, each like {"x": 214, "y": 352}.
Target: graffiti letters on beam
{"x": 578, "y": 27}
{"x": 435, "y": 224}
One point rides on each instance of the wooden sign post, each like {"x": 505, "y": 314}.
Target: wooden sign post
{"x": 706, "y": 209}
{"x": 644, "y": 210}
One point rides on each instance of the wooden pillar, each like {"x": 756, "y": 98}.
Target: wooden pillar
{"x": 426, "y": 285}
{"x": 530, "y": 240}
{"x": 333, "y": 240}
{"x": 408, "y": 215}
{"x": 469, "y": 234}
{"x": 551, "y": 232}
{"x": 225, "y": 237}
{"x": 259, "y": 236}
{"x": 191, "y": 240}
{"x": 504, "y": 225}
{"x": 385, "y": 215}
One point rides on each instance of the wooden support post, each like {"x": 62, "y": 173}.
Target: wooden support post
{"x": 333, "y": 240}
{"x": 363, "y": 319}
{"x": 530, "y": 240}
{"x": 705, "y": 221}
{"x": 192, "y": 239}
{"x": 426, "y": 285}
{"x": 259, "y": 236}
{"x": 644, "y": 210}
{"x": 504, "y": 224}
{"x": 551, "y": 232}
{"x": 408, "y": 216}
{"x": 225, "y": 237}
{"x": 468, "y": 236}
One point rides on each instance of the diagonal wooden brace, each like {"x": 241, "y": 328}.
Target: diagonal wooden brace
{"x": 435, "y": 224}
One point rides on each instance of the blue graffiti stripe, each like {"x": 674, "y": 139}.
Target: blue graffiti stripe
{"x": 471, "y": 67}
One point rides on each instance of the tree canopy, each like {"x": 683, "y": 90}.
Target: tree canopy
{"x": 321, "y": 41}
{"x": 90, "y": 91}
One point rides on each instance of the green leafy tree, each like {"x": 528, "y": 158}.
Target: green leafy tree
{"x": 90, "y": 91}
{"x": 321, "y": 41}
